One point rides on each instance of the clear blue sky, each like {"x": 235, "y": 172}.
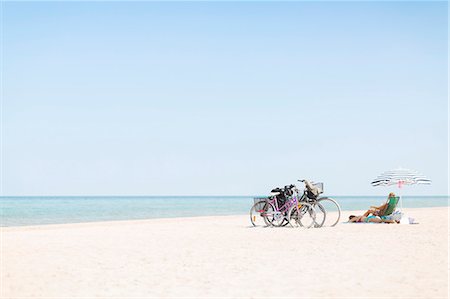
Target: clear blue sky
{"x": 204, "y": 98}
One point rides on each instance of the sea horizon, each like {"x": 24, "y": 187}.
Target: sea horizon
{"x": 41, "y": 210}
{"x": 189, "y": 196}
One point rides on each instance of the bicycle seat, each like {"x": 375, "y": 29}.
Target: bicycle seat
{"x": 276, "y": 191}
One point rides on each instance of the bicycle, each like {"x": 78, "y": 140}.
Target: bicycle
{"x": 331, "y": 206}
{"x": 273, "y": 214}
{"x": 298, "y": 213}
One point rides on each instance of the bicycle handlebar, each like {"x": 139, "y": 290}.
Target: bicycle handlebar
{"x": 307, "y": 183}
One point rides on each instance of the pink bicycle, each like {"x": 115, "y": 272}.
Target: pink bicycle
{"x": 281, "y": 208}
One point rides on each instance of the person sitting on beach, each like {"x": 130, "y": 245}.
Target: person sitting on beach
{"x": 376, "y": 214}
{"x": 379, "y": 210}
{"x": 366, "y": 217}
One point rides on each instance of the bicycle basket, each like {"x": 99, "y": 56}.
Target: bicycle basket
{"x": 314, "y": 191}
{"x": 319, "y": 186}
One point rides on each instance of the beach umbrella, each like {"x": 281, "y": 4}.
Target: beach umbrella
{"x": 400, "y": 177}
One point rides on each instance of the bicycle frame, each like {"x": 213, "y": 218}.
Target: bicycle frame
{"x": 284, "y": 208}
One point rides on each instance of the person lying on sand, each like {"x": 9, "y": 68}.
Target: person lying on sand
{"x": 371, "y": 218}
{"x": 366, "y": 217}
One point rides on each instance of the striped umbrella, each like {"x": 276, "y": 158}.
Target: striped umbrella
{"x": 400, "y": 177}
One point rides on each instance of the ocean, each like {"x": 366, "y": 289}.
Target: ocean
{"x": 21, "y": 211}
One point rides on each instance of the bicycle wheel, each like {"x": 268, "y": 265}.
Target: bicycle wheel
{"x": 285, "y": 220}
{"x": 321, "y": 214}
{"x": 276, "y": 218}
{"x": 302, "y": 215}
{"x": 269, "y": 214}
{"x": 332, "y": 209}
{"x": 259, "y": 213}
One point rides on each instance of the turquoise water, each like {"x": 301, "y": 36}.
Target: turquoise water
{"x": 19, "y": 211}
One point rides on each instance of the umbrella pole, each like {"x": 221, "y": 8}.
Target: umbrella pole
{"x": 401, "y": 204}
{"x": 404, "y": 219}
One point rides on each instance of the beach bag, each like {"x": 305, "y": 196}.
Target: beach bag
{"x": 396, "y": 215}
{"x": 288, "y": 190}
{"x": 313, "y": 190}
{"x": 281, "y": 198}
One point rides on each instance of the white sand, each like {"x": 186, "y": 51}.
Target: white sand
{"x": 225, "y": 257}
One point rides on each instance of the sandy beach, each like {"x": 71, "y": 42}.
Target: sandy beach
{"x": 223, "y": 256}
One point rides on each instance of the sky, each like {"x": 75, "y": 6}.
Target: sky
{"x": 221, "y": 98}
